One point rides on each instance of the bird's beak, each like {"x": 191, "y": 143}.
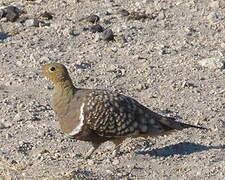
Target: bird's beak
{"x": 38, "y": 71}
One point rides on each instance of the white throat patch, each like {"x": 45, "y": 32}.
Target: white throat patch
{"x": 78, "y": 128}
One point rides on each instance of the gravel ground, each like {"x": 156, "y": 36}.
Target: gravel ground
{"x": 171, "y": 60}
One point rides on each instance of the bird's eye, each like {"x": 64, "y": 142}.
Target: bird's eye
{"x": 52, "y": 69}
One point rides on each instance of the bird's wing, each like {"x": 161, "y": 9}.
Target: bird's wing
{"x": 110, "y": 114}
{"x": 115, "y": 115}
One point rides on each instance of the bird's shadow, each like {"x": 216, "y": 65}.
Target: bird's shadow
{"x": 184, "y": 148}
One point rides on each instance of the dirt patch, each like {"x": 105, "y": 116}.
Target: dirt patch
{"x": 154, "y": 60}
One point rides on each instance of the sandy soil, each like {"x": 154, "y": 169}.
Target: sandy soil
{"x": 155, "y": 61}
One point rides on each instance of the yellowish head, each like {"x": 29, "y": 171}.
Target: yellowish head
{"x": 56, "y": 72}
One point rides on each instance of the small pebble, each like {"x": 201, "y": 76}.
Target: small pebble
{"x": 46, "y": 16}
{"x": 19, "y": 116}
{"x": 148, "y": 1}
{"x": 213, "y": 16}
{"x": 19, "y": 63}
{"x": 212, "y": 63}
{"x": 116, "y": 162}
{"x": 97, "y": 38}
{"x": 39, "y": 1}
{"x": 32, "y": 22}
{"x": 8, "y": 135}
{"x": 12, "y": 13}
{"x": 214, "y": 4}
{"x": 108, "y": 171}
{"x": 141, "y": 87}
{"x": 108, "y": 35}
{"x": 90, "y": 162}
{"x": 1, "y": 29}
{"x": 96, "y": 28}
{"x": 93, "y": 18}
{"x": 2, "y": 126}
{"x": 140, "y": 16}
{"x": 161, "y": 15}
{"x": 70, "y": 31}
{"x": 124, "y": 12}
{"x": 2, "y": 13}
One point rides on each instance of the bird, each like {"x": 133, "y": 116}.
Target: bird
{"x": 100, "y": 115}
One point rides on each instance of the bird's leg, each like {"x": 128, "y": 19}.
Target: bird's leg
{"x": 117, "y": 143}
{"x": 116, "y": 151}
{"x": 90, "y": 152}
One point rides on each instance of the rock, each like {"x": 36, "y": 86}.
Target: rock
{"x": 39, "y": 1}
{"x": 44, "y": 59}
{"x": 46, "y": 16}
{"x": 8, "y": 136}
{"x": 214, "y": 4}
{"x": 70, "y": 31}
{"x": 108, "y": 12}
{"x": 1, "y": 29}
{"x": 141, "y": 87}
{"x": 124, "y": 12}
{"x": 109, "y": 171}
{"x": 2, "y": 125}
{"x": 96, "y": 28}
{"x": 161, "y": 15}
{"x": 119, "y": 29}
{"x": 148, "y": 1}
{"x": 108, "y": 35}
{"x": 212, "y": 63}
{"x": 19, "y": 63}
{"x": 2, "y": 13}
{"x": 32, "y": 22}
{"x": 21, "y": 116}
{"x": 97, "y": 38}
{"x": 93, "y": 18}
{"x": 90, "y": 162}
{"x": 115, "y": 162}
{"x": 12, "y": 13}
{"x": 213, "y": 16}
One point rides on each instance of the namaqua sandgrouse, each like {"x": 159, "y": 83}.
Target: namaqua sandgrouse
{"x": 97, "y": 116}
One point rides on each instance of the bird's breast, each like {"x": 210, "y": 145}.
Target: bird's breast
{"x": 70, "y": 114}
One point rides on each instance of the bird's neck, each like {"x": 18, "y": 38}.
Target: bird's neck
{"x": 63, "y": 91}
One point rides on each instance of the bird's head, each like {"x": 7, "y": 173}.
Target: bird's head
{"x": 56, "y": 72}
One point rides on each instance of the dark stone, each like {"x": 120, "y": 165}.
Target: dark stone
{"x": 12, "y": 13}
{"x": 93, "y": 18}
{"x": 96, "y": 28}
{"x": 108, "y": 35}
{"x": 46, "y": 15}
{"x": 2, "y": 13}
{"x": 124, "y": 12}
{"x": 85, "y": 29}
{"x": 140, "y": 16}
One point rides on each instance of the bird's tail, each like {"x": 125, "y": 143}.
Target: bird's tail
{"x": 184, "y": 125}
{"x": 171, "y": 124}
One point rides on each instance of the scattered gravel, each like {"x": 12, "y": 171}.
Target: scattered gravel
{"x": 213, "y": 63}
{"x": 169, "y": 55}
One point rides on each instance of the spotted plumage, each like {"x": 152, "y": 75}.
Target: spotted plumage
{"x": 97, "y": 116}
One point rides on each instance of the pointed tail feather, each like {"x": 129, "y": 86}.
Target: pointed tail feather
{"x": 170, "y": 123}
{"x": 184, "y": 125}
